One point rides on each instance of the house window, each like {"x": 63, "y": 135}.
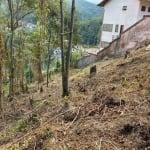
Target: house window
{"x": 108, "y": 27}
{"x": 124, "y": 8}
{"x": 148, "y": 9}
{"x": 116, "y": 27}
{"x": 143, "y": 8}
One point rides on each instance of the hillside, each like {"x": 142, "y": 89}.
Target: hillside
{"x": 87, "y": 10}
{"x": 107, "y": 111}
{"x": 90, "y": 20}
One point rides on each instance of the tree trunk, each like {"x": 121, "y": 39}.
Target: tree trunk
{"x": 11, "y": 73}
{"x": 39, "y": 70}
{"x": 70, "y": 44}
{"x": 64, "y": 92}
{"x": 1, "y": 85}
{"x": 49, "y": 58}
{"x": 66, "y": 60}
{"x": 1, "y": 75}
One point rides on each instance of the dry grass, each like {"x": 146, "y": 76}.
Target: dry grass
{"x": 112, "y": 112}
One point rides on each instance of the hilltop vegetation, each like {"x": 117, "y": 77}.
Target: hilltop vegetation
{"x": 90, "y": 20}
{"x": 88, "y": 11}
{"x": 90, "y": 31}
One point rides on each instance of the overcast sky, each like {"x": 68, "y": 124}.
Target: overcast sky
{"x": 94, "y": 1}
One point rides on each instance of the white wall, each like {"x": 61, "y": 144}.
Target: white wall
{"x": 115, "y": 15}
{"x": 131, "y": 13}
{"x": 141, "y": 13}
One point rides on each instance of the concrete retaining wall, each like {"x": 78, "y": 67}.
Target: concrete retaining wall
{"x": 87, "y": 60}
{"x": 129, "y": 39}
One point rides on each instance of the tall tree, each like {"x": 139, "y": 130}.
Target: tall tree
{"x": 52, "y": 31}
{"x": 1, "y": 68}
{"x": 12, "y": 28}
{"x": 17, "y": 10}
{"x": 66, "y": 54}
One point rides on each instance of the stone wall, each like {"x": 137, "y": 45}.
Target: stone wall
{"x": 129, "y": 39}
{"x": 87, "y": 60}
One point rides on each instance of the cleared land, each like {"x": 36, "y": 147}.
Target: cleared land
{"x": 110, "y": 110}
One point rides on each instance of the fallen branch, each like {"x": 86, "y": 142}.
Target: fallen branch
{"x": 111, "y": 144}
{"x": 33, "y": 131}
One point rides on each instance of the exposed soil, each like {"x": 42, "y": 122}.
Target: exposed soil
{"x": 108, "y": 110}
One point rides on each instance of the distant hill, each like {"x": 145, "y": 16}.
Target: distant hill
{"x": 87, "y": 10}
{"x": 90, "y": 19}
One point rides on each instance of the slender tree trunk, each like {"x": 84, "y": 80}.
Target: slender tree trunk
{"x": 22, "y": 81}
{"x": 1, "y": 75}
{"x": 11, "y": 76}
{"x": 49, "y": 58}
{"x": 21, "y": 64}
{"x": 1, "y": 80}
{"x": 62, "y": 48}
{"x": 39, "y": 70}
{"x": 70, "y": 45}
{"x": 66, "y": 60}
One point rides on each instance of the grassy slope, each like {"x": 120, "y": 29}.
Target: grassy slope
{"x": 91, "y": 118}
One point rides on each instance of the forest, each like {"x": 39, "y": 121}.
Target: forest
{"x": 31, "y": 41}
{"x": 24, "y": 24}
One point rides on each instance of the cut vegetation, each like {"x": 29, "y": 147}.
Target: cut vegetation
{"x": 109, "y": 110}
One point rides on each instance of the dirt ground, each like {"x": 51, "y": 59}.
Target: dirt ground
{"x": 106, "y": 111}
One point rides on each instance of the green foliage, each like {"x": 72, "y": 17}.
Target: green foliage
{"x": 87, "y": 10}
{"x": 75, "y": 57}
{"x": 58, "y": 66}
{"x": 90, "y": 31}
{"x": 33, "y": 118}
{"x": 22, "y": 126}
{"x": 48, "y": 134}
{"x": 16, "y": 147}
{"x": 26, "y": 143}
{"x": 29, "y": 75}
{"x": 124, "y": 80}
{"x": 88, "y": 23}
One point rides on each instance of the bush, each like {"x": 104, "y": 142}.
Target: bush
{"x": 58, "y": 66}
{"x": 22, "y": 126}
{"x": 29, "y": 75}
{"x": 75, "y": 57}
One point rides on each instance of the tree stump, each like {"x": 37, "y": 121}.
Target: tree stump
{"x": 93, "y": 70}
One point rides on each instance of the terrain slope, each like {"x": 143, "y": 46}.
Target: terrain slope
{"x": 106, "y": 111}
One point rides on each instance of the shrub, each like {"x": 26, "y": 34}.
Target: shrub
{"x": 29, "y": 75}
{"x": 22, "y": 126}
{"x": 75, "y": 57}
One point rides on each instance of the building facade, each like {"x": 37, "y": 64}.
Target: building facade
{"x": 119, "y": 16}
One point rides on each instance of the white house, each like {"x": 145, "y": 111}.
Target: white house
{"x": 120, "y": 15}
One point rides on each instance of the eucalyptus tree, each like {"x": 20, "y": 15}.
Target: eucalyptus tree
{"x": 15, "y": 11}
{"x": 66, "y": 53}
{"x": 47, "y": 14}
{"x": 2, "y": 52}
{"x": 35, "y": 48}
{"x": 38, "y": 38}
{"x": 52, "y": 27}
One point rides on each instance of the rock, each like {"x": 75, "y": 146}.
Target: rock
{"x": 106, "y": 58}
